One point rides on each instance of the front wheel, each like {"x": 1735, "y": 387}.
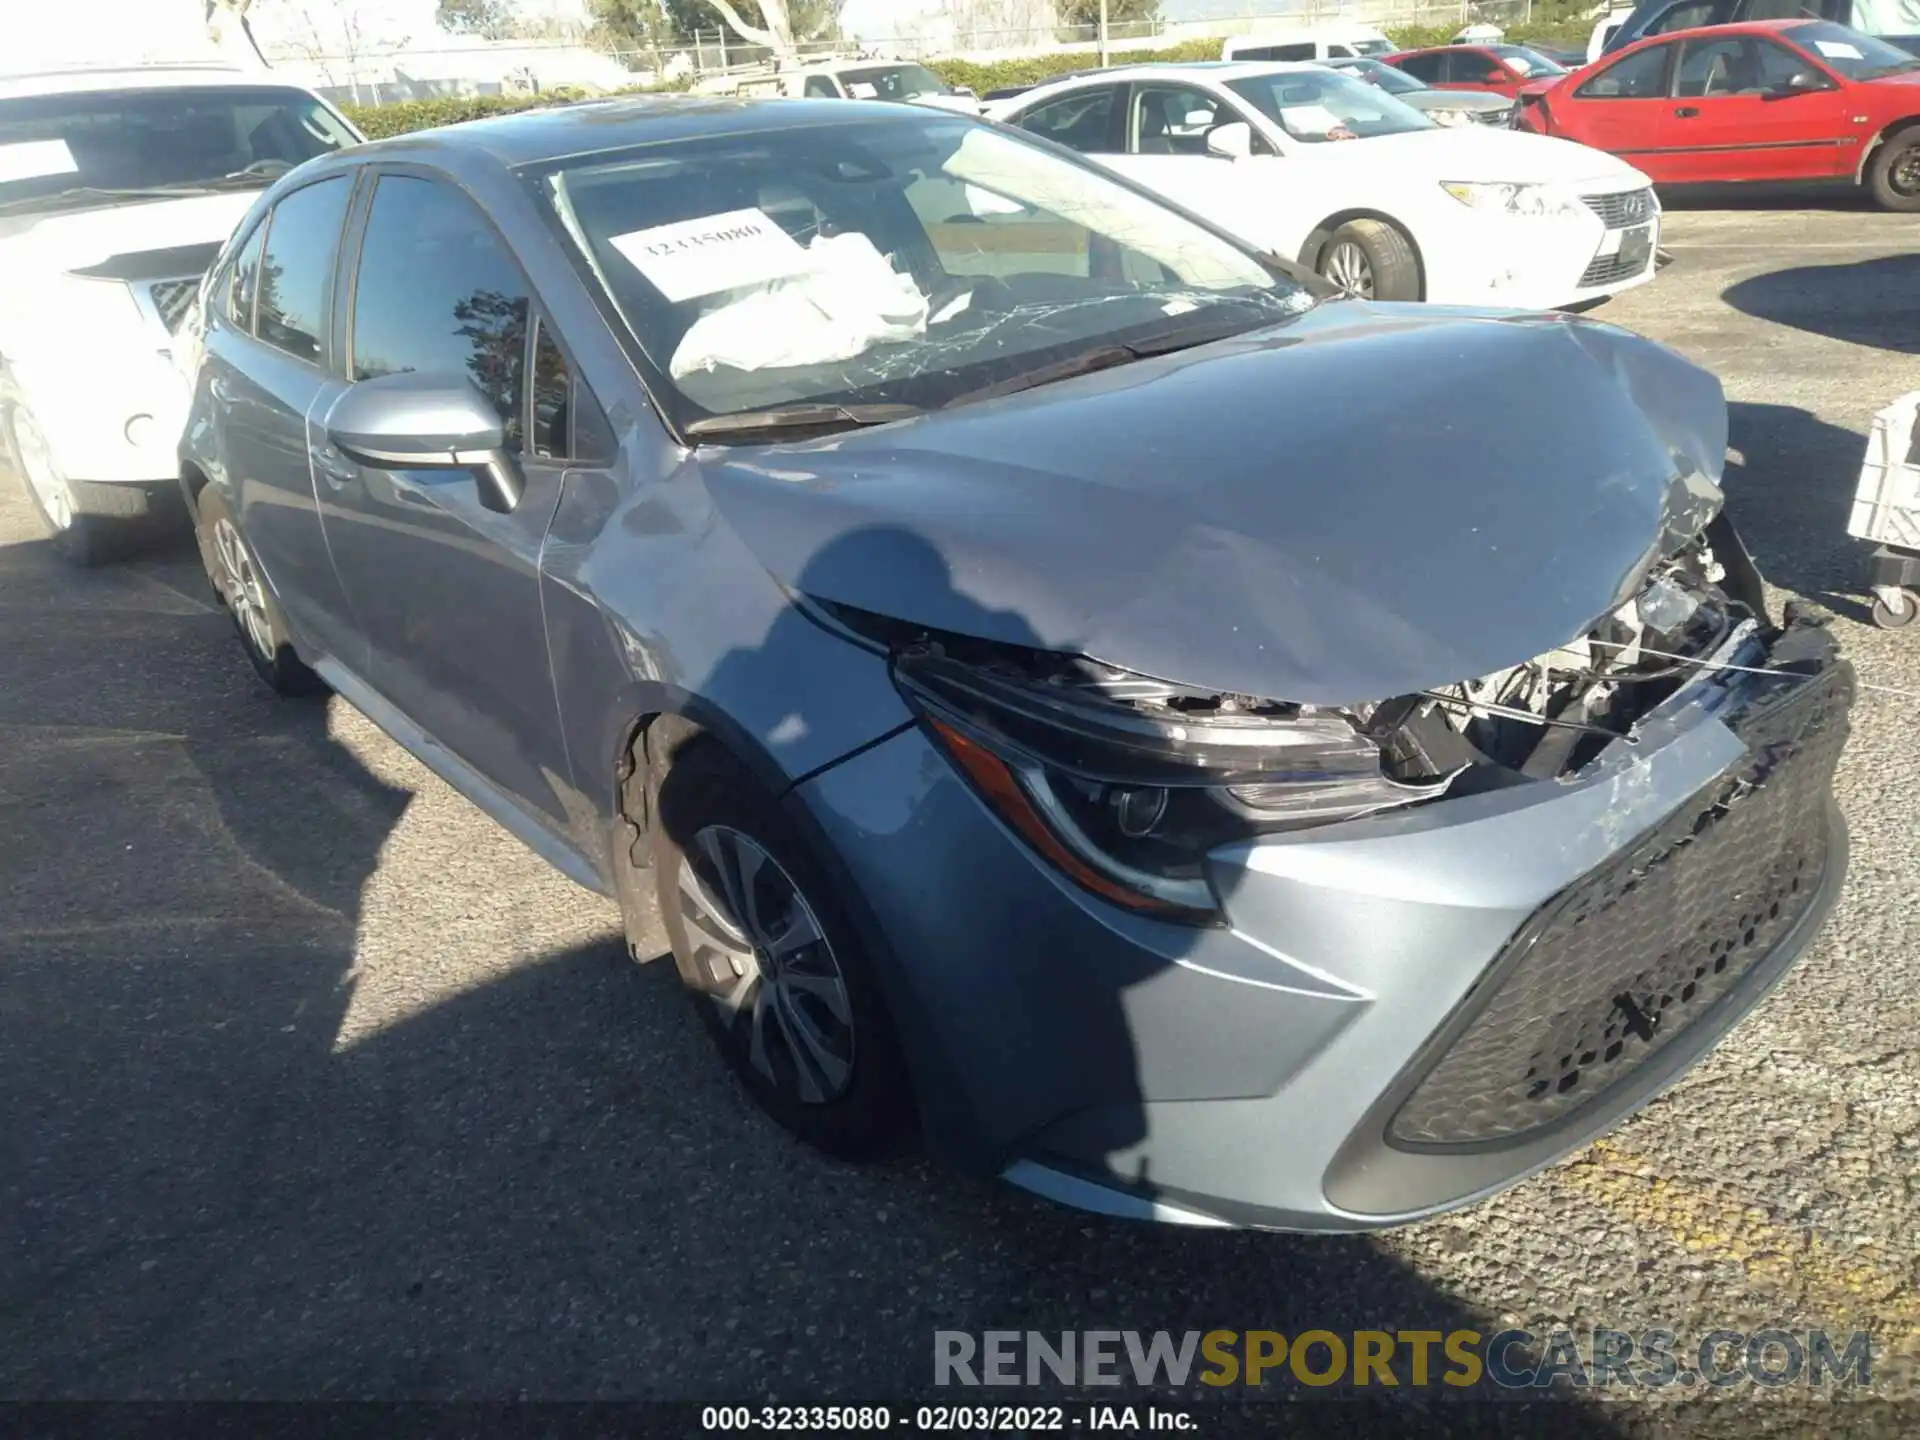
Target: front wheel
{"x": 777, "y": 972}
{"x": 1893, "y": 176}
{"x": 236, "y": 578}
{"x": 1371, "y": 260}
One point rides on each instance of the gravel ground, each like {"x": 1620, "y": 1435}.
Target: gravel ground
{"x": 315, "y": 1084}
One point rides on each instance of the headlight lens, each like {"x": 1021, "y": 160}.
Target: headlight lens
{"x": 1504, "y": 199}
{"x": 1450, "y": 117}
{"x": 1127, "y": 799}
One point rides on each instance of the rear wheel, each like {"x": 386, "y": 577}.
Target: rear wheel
{"x": 237, "y": 580}
{"x": 1893, "y": 175}
{"x": 1371, "y": 260}
{"x": 88, "y": 523}
{"x": 777, "y": 972}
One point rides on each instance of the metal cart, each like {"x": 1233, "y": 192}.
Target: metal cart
{"x": 1886, "y": 510}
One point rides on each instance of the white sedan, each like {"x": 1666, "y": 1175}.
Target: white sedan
{"x": 1321, "y": 167}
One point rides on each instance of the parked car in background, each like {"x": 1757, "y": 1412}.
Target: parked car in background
{"x": 117, "y": 189}
{"x": 730, "y": 500}
{"x": 1443, "y": 107}
{"x": 1895, "y": 21}
{"x": 1323, "y": 168}
{"x": 1329, "y": 42}
{"x": 1604, "y": 29}
{"x": 899, "y": 81}
{"x": 1497, "y": 69}
{"x": 1777, "y": 100}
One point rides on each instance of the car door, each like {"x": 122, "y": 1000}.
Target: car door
{"x": 1625, "y": 107}
{"x": 447, "y": 589}
{"x": 1165, "y": 129}
{"x": 267, "y": 356}
{"x": 1740, "y": 114}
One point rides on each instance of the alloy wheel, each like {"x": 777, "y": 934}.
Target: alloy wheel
{"x": 1347, "y": 267}
{"x": 43, "y": 476}
{"x": 1904, "y": 177}
{"x": 768, "y": 965}
{"x": 240, "y": 583}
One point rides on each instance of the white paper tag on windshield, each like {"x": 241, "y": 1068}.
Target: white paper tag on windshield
{"x": 35, "y": 159}
{"x": 1309, "y": 119}
{"x": 1837, "y": 50}
{"x": 691, "y": 258}
{"x": 861, "y": 89}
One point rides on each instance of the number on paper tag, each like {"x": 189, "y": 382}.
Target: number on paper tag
{"x": 691, "y": 258}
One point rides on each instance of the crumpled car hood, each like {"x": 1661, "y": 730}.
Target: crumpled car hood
{"x": 1365, "y": 502}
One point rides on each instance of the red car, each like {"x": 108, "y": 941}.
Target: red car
{"x": 1502, "y": 69}
{"x": 1771, "y": 100}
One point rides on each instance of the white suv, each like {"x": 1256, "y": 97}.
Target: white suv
{"x": 117, "y": 190}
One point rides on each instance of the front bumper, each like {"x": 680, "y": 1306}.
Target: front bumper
{"x": 1365, "y": 1043}
{"x": 1547, "y": 263}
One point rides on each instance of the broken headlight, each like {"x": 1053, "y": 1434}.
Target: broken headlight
{"x": 1124, "y": 783}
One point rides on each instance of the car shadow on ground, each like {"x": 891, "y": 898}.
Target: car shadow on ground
{"x": 1866, "y": 302}
{"x": 545, "y": 1187}
{"x": 1790, "y": 485}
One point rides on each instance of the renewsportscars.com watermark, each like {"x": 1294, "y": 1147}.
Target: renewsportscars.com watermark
{"x": 1461, "y": 1359}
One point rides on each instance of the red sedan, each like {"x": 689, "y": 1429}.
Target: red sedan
{"x": 1502, "y": 69}
{"x": 1771, "y": 100}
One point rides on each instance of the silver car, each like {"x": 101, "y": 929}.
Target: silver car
{"x": 1443, "y": 107}
{"x": 1046, "y": 675}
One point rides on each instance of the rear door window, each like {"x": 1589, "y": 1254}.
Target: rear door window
{"x": 296, "y": 269}
{"x": 1082, "y": 121}
{"x": 1430, "y": 67}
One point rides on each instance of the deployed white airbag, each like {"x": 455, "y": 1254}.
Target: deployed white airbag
{"x": 848, "y": 299}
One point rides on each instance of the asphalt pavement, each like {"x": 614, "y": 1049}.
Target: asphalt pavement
{"x": 314, "y": 1083}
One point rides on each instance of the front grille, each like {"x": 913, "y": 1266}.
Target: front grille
{"x": 1497, "y": 117}
{"x": 1606, "y": 269}
{"x": 1623, "y": 208}
{"x": 1617, "y": 965}
{"x": 171, "y": 301}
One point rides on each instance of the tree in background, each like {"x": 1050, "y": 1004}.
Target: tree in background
{"x": 1119, "y": 12}
{"x": 227, "y": 24}
{"x": 489, "y": 19}
{"x": 653, "y": 25}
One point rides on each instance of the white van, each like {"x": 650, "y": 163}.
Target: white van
{"x": 1333, "y": 42}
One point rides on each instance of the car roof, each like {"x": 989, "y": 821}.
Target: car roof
{"x": 533, "y": 137}
{"x": 1221, "y": 70}
{"x": 77, "y": 81}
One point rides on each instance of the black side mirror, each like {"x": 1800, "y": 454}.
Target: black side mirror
{"x": 428, "y": 422}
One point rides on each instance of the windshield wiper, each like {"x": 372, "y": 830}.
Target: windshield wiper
{"x": 89, "y": 193}
{"x": 760, "y": 424}
{"x": 1105, "y": 357}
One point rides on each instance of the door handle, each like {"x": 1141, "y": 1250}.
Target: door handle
{"x": 334, "y": 467}
{"x": 1686, "y": 112}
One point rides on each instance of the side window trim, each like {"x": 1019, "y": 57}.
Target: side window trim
{"x": 540, "y": 326}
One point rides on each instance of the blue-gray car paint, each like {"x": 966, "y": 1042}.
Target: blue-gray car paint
{"x": 1367, "y": 501}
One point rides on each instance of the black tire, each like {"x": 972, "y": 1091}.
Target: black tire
{"x": 1370, "y": 260}
{"x": 237, "y": 579}
{"x": 1888, "y": 618}
{"x": 92, "y": 523}
{"x": 1893, "y": 175}
{"x": 706, "y": 797}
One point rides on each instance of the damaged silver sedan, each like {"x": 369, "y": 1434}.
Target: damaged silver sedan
{"x": 1046, "y": 676}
